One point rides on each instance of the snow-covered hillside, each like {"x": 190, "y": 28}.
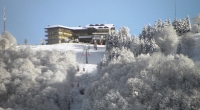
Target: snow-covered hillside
{"x": 51, "y": 76}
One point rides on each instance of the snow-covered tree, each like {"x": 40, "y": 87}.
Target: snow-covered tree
{"x": 112, "y": 42}
{"x": 116, "y": 45}
{"x": 182, "y": 26}
{"x": 121, "y": 39}
{"x": 147, "y": 42}
{"x": 196, "y": 24}
{"x": 32, "y": 79}
{"x": 112, "y": 55}
{"x": 135, "y": 45}
{"x": 167, "y": 40}
{"x": 149, "y": 36}
{"x": 159, "y": 81}
{"x": 7, "y": 41}
{"x": 145, "y": 82}
{"x": 188, "y": 44}
{"x": 124, "y": 36}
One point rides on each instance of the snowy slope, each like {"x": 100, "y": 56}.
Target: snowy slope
{"x": 94, "y": 58}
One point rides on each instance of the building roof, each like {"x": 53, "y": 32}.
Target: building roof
{"x": 56, "y": 26}
{"x": 96, "y": 26}
{"x": 100, "y": 26}
{"x": 73, "y": 28}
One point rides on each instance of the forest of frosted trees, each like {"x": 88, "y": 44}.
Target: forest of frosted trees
{"x": 34, "y": 80}
{"x": 150, "y": 72}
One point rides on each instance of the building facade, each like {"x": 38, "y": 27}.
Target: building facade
{"x": 90, "y": 33}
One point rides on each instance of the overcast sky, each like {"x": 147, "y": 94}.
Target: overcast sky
{"x": 28, "y": 18}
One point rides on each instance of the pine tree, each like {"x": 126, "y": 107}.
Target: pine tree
{"x": 182, "y": 26}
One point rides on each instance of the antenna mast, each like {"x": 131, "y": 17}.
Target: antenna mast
{"x": 175, "y": 9}
{"x": 4, "y": 18}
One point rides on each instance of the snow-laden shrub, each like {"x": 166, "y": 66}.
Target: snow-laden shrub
{"x": 145, "y": 82}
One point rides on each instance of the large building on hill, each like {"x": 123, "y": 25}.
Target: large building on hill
{"x": 90, "y": 33}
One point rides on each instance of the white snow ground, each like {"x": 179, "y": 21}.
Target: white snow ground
{"x": 94, "y": 58}
{"x": 82, "y": 77}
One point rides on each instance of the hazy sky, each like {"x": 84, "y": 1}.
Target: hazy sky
{"x": 28, "y": 18}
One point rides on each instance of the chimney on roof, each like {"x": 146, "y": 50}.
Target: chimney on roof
{"x": 49, "y": 25}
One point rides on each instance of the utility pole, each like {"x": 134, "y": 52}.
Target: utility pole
{"x": 4, "y": 18}
{"x": 87, "y": 53}
{"x": 86, "y": 50}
